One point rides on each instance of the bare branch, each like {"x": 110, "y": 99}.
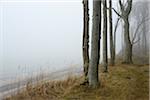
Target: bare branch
{"x": 136, "y": 41}
{"x": 116, "y": 25}
{"x": 138, "y": 27}
{"x": 116, "y": 12}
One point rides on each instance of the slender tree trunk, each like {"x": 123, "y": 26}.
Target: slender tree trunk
{"x": 85, "y": 45}
{"x": 105, "y": 61}
{"x": 144, "y": 40}
{"x": 111, "y": 34}
{"x": 128, "y": 45}
{"x": 114, "y": 46}
{"x": 95, "y": 45}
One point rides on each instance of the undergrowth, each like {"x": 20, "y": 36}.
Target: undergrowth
{"x": 122, "y": 82}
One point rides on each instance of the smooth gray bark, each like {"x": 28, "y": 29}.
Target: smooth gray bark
{"x": 85, "y": 44}
{"x": 95, "y": 45}
{"x": 115, "y": 31}
{"x": 125, "y": 12}
{"x": 112, "y": 52}
{"x": 105, "y": 60}
{"x": 128, "y": 46}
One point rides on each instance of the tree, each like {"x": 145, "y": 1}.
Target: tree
{"x": 112, "y": 52}
{"x": 125, "y": 12}
{"x": 113, "y": 36}
{"x": 95, "y": 45}
{"x": 140, "y": 27}
{"x": 105, "y": 60}
{"x": 115, "y": 31}
{"x": 85, "y": 44}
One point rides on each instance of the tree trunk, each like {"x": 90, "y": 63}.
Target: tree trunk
{"x": 125, "y": 12}
{"x": 112, "y": 58}
{"x": 114, "y": 46}
{"x": 105, "y": 61}
{"x": 85, "y": 45}
{"x": 95, "y": 45}
{"x": 128, "y": 45}
{"x": 144, "y": 40}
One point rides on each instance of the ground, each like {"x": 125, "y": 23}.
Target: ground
{"x": 122, "y": 82}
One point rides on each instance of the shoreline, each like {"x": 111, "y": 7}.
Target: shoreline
{"x": 13, "y": 88}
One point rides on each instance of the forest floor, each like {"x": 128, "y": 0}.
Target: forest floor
{"x": 122, "y": 82}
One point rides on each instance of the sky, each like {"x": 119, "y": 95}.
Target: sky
{"x": 36, "y": 34}
{"x": 42, "y": 34}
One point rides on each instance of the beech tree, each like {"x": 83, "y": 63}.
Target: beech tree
{"x": 125, "y": 12}
{"x": 112, "y": 52}
{"x": 114, "y": 38}
{"x": 85, "y": 44}
{"x": 105, "y": 60}
{"x": 95, "y": 45}
{"x": 125, "y": 9}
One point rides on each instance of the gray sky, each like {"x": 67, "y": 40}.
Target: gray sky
{"x": 41, "y": 34}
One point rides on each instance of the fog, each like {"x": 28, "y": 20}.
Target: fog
{"x": 42, "y": 35}
{"x": 46, "y": 35}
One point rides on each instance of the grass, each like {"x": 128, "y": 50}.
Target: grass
{"x": 122, "y": 82}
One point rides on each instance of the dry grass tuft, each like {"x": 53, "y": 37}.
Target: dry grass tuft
{"x": 122, "y": 82}
{"x": 50, "y": 90}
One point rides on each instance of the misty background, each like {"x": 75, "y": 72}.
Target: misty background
{"x": 42, "y": 36}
